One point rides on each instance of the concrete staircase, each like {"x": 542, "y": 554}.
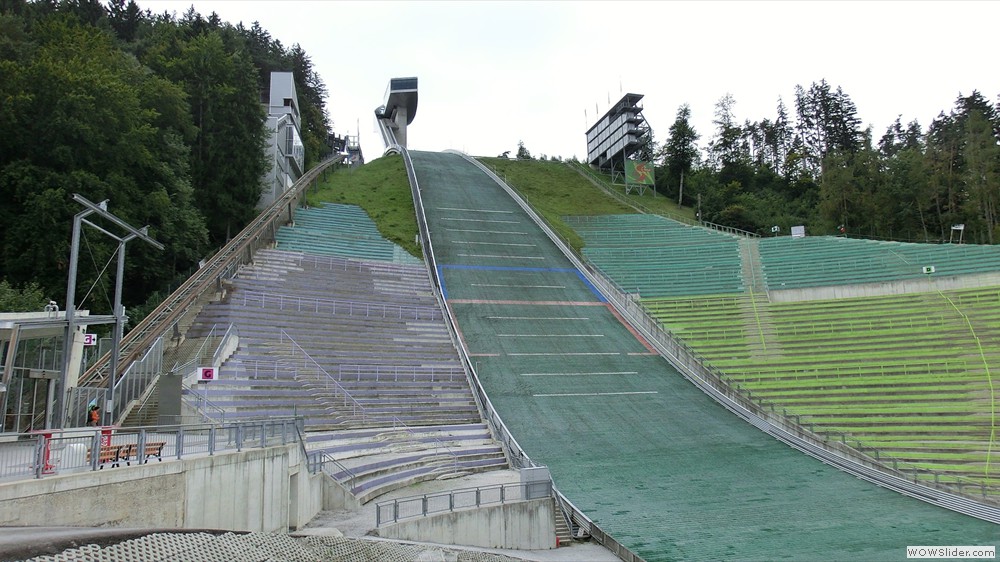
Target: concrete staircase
{"x": 564, "y": 535}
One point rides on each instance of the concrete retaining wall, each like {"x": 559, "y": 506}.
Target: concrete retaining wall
{"x": 902, "y": 287}
{"x": 254, "y": 490}
{"x": 527, "y": 525}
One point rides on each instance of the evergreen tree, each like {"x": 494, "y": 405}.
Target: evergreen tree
{"x": 982, "y": 172}
{"x": 680, "y": 153}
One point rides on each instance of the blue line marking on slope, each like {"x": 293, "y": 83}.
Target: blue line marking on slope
{"x": 444, "y": 290}
{"x": 590, "y": 286}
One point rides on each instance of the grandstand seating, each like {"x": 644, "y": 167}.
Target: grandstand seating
{"x": 390, "y": 355}
{"x": 339, "y": 230}
{"x": 657, "y": 257}
{"x": 903, "y": 375}
{"x": 815, "y": 261}
{"x": 359, "y": 348}
{"x": 373, "y": 462}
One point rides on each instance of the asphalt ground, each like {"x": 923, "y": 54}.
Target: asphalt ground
{"x": 650, "y": 458}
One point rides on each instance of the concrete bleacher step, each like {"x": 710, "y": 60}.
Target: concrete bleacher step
{"x": 389, "y": 481}
{"x": 395, "y": 457}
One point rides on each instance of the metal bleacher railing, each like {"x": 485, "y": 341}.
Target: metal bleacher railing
{"x": 223, "y": 265}
{"x": 335, "y": 306}
{"x": 968, "y": 497}
{"x": 392, "y": 511}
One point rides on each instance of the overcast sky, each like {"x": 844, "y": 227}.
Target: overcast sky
{"x": 493, "y": 73}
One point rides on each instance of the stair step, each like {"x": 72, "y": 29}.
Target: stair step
{"x": 564, "y": 535}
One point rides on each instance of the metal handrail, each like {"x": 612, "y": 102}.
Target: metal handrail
{"x": 505, "y": 493}
{"x": 355, "y": 405}
{"x": 58, "y": 452}
{"x": 397, "y": 424}
{"x": 203, "y": 403}
{"x": 252, "y": 297}
{"x": 221, "y": 266}
{"x": 196, "y": 358}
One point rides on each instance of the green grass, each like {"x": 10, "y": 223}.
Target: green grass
{"x": 659, "y": 204}
{"x": 555, "y": 190}
{"x": 381, "y": 188}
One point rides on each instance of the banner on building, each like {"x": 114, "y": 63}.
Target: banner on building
{"x": 638, "y": 172}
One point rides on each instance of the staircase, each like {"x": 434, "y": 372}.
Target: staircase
{"x": 564, "y": 535}
{"x": 750, "y": 265}
{"x": 147, "y": 412}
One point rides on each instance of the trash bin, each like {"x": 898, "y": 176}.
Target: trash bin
{"x": 106, "y": 432}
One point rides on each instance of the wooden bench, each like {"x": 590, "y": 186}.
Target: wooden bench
{"x": 108, "y": 454}
{"x": 152, "y": 449}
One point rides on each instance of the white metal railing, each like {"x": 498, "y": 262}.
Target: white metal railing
{"x": 59, "y": 452}
{"x": 335, "y": 306}
{"x": 330, "y": 383}
{"x": 393, "y": 511}
{"x": 198, "y": 359}
{"x": 202, "y": 405}
{"x": 357, "y": 409}
{"x": 397, "y": 373}
{"x": 266, "y": 368}
{"x": 133, "y": 383}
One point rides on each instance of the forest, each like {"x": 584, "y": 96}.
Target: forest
{"x": 814, "y": 165}
{"x": 159, "y": 114}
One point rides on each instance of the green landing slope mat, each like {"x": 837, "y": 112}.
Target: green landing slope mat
{"x": 656, "y": 463}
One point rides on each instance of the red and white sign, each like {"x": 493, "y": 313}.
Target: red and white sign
{"x": 89, "y": 340}
{"x": 206, "y": 374}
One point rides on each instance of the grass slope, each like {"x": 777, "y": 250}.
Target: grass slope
{"x": 555, "y": 190}
{"x": 381, "y": 188}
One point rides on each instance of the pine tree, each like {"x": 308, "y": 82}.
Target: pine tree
{"x": 680, "y": 153}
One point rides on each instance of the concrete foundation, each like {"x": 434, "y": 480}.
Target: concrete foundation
{"x": 254, "y": 490}
{"x": 902, "y": 287}
{"x": 527, "y": 525}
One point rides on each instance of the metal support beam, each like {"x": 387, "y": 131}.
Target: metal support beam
{"x": 58, "y": 417}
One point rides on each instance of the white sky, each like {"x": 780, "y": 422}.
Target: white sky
{"x": 493, "y": 73}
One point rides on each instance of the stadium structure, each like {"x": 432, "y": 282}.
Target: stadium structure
{"x": 397, "y": 112}
{"x": 671, "y": 392}
{"x": 618, "y": 134}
